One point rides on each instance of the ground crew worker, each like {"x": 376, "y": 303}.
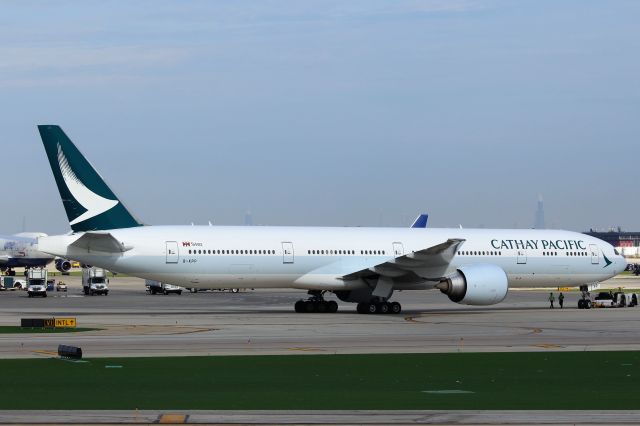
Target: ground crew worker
{"x": 561, "y": 300}
{"x": 551, "y": 300}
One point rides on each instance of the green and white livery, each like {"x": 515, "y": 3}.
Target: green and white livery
{"x": 359, "y": 265}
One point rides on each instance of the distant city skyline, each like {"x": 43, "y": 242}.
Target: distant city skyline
{"x": 328, "y": 113}
{"x": 539, "y": 222}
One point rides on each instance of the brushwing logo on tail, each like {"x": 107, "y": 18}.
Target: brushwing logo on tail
{"x": 92, "y": 202}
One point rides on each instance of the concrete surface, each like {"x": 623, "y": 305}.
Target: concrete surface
{"x": 324, "y": 417}
{"x": 134, "y": 323}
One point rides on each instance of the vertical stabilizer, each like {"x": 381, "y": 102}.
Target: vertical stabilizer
{"x": 89, "y": 202}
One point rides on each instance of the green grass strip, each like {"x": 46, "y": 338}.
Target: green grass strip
{"x": 507, "y": 381}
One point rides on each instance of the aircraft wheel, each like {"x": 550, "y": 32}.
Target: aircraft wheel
{"x": 333, "y": 306}
{"x": 396, "y": 308}
{"x": 299, "y": 306}
{"x": 321, "y": 306}
{"x": 361, "y": 308}
{"x": 372, "y": 308}
{"x": 309, "y": 306}
{"x": 383, "y": 308}
{"x": 580, "y": 304}
{"x": 587, "y": 304}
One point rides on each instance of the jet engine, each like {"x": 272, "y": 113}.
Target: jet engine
{"x": 476, "y": 285}
{"x": 63, "y": 265}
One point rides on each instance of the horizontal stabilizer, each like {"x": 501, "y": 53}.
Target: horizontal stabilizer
{"x": 100, "y": 241}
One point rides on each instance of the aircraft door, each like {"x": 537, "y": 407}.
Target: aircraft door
{"x": 172, "y": 252}
{"x": 595, "y": 256}
{"x": 398, "y": 249}
{"x": 287, "y": 252}
{"x": 522, "y": 257}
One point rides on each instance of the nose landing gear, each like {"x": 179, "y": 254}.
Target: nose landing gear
{"x": 316, "y": 304}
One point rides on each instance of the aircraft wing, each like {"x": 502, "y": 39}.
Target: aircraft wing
{"x": 427, "y": 264}
{"x": 100, "y": 241}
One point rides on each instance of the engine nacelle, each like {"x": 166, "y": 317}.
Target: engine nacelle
{"x": 63, "y": 265}
{"x": 476, "y": 285}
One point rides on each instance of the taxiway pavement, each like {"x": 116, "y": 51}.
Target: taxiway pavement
{"x": 261, "y": 322}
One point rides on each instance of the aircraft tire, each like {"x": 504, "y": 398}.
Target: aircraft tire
{"x": 580, "y": 304}
{"x": 396, "y": 308}
{"x": 309, "y": 307}
{"x": 299, "y": 306}
{"x": 362, "y": 308}
{"x": 321, "y": 306}
{"x": 332, "y": 307}
{"x": 384, "y": 308}
{"x": 372, "y": 308}
{"x": 587, "y": 304}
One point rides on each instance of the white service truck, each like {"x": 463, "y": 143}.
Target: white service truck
{"x": 95, "y": 281}
{"x": 155, "y": 287}
{"x": 37, "y": 282}
{"x": 11, "y": 283}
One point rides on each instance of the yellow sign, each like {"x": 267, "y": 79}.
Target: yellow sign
{"x": 65, "y": 323}
{"x": 49, "y": 323}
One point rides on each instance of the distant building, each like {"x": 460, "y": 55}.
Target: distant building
{"x": 628, "y": 242}
{"x": 539, "y": 219}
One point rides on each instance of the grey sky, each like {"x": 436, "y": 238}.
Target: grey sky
{"x": 328, "y": 112}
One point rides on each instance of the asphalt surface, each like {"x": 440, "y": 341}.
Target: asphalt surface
{"x": 364, "y": 417}
{"x": 134, "y": 323}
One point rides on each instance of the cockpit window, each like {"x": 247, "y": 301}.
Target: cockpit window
{"x": 616, "y": 252}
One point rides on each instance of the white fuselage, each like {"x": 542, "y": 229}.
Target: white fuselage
{"x": 317, "y": 257}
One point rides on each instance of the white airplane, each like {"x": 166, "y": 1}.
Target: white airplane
{"x": 359, "y": 265}
{"x": 21, "y": 251}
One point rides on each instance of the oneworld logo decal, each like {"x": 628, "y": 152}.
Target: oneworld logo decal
{"x": 93, "y": 203}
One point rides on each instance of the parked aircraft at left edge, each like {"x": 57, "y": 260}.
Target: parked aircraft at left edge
{"x": 358, "y": 265}
{"x": 21, "y": 251}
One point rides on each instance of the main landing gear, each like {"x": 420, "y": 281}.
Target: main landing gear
{"x": 316, "y": 303}
{"x": 379, "y": 308}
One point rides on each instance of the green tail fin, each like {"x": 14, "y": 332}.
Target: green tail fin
{"x": 88, "y": 201}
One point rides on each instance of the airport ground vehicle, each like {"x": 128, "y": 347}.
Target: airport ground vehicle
{"x": 61, "y": 286}
{"x": 37, "y": 282}
{"x": 95, "y": 281}
{"x": 156, "y": 287}
{"x": 11, "y": 283}
{"x": 605, "y": 299}
{"x": 622, "y": 299}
